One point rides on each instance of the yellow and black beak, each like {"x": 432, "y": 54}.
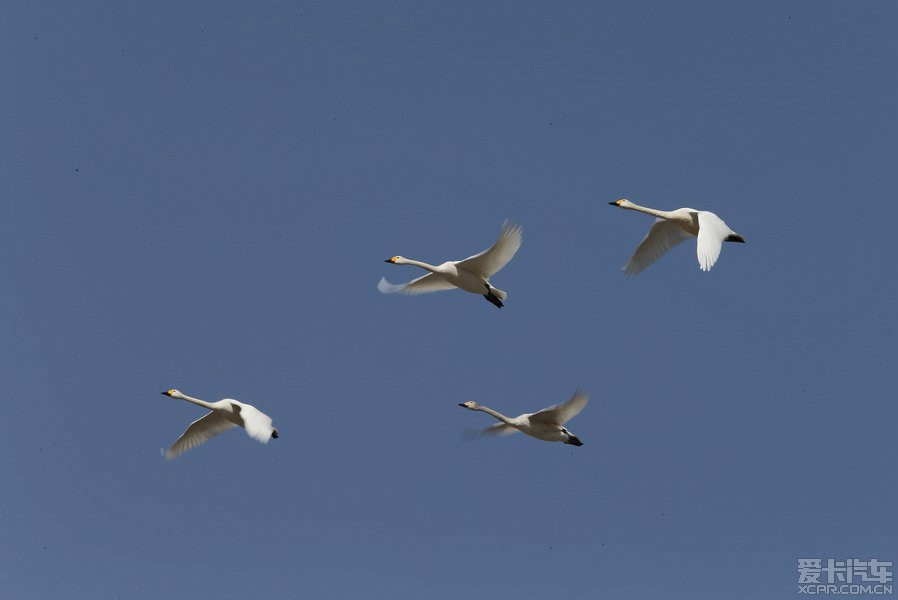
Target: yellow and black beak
{"x": 168, "y": 393}
{"x": 392, "y": 260}
{"x": 615, "y": 203}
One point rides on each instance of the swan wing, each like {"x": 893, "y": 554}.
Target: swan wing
{"x": 491, "y": 260}
{"x": 204, "y": 428}
{"x": 562, "y": 413}
{"x": 711, "y": 233}
{"x": 422, "y": 285}
{"x": 499, "y": 429}
{"x": 257, "y": 424}
{"x": 662, "y": 236}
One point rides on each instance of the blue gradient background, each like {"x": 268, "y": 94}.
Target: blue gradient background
{"x": 201, "y": 195}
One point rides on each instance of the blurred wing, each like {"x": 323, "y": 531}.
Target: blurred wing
{"x": 202, "y": 429}
{"x": 562, "y": 413}
{"x": 492, "y": 260}
{"x": 499, "y": 429}
{"x": 257, "y": 424}
{"x": 711, "y": 233}
{"x": 493, "y": 430}
{"x": 663, "y": 236}
{"x": 422, "y": 285}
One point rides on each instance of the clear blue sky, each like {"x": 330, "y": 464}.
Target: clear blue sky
{"x": 201, "y": 195}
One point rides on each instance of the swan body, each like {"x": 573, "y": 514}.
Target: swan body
{"x": 224, "y": 414}
{"x": 471, "y": 274}
{"x": 671, "y": 228}
{"x": 546, "y": 424}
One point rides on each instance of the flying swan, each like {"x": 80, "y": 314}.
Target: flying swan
{"x": 671, "y": 228}
{"x": 547, "y": 424}
{"x": 224, "y": 415}
{"x": 471, "y": 274}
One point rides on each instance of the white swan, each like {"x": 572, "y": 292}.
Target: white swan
{"x": 225, "y": 414}
{"x": 471, "y": 274}
{"x": 547, "y": 424}
{"x": 671, "y": 228}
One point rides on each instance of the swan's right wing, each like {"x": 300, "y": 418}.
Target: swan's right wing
{"x": 562, "y": 413}
{"x": 422, "y": 285}
{"x": 204, "y": 428}
{"x": 663, "y": 236}
{"x": 711, "y": 233}
{"x": 257, "y": 424}
{"x": 490, "y": 261}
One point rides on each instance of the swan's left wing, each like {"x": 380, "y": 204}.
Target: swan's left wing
{"x": 662, "y": 236}
{"x": 499, "y": 429}
{"x": 203, "y": 429}
{"x": 257, "y": 424}
{"x": 422, "y": 285}
{"x": 562, "y": 413}
{"x": 491, "y": 260}
{"x": 711, "y": 233}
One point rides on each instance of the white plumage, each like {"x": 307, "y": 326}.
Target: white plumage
{"x": 224, "y": 415}
{"x": 546, "y": 424}
{"x": 471, "y": 274}
{"x": 671, "y": 228}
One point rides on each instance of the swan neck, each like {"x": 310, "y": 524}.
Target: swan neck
{"x": 495, "y": 413}
{"x": 196, "y": 401}
{"x": 663, "y": 214}
{"x": 423, "y": 265}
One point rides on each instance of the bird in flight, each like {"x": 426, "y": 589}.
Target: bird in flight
{"x": 547, "y": 424}
{"x": 223, "y": 415}
{"x": 471, "y": 274}
{"x": 671, "y": 228}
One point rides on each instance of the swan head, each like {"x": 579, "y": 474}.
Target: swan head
{"x": 470, "y": 404}
{"x": 623, "y": 203}
{"x": 396, "y": 260}
{"x": 172, "y": 393}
